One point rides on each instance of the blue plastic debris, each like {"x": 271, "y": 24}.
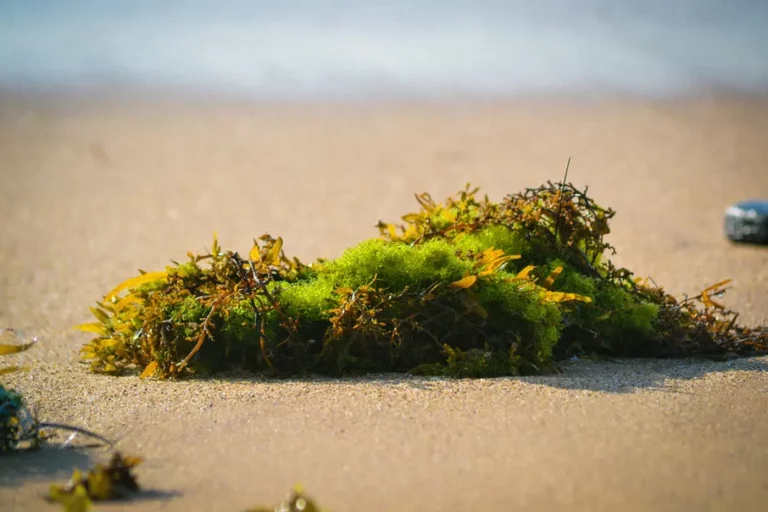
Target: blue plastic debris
{"x": 747, "y": 222}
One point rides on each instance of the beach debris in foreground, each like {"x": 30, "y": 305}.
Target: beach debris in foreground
{"x": 747, "y": 222}
{"x": 297, "y": 501}
{"x": 19, "y": 427}
{"x": 15, "y": 421}
{"x": 113, "y": 481}
{"x": 9, "y": 344}
{"x": 464, "y": 288}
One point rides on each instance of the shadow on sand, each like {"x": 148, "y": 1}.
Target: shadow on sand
{"x": 51, "y": 465}
{"x": 608, "y": 375}
{"x": 628, "y": 375}
{"x": 48, "y": 464}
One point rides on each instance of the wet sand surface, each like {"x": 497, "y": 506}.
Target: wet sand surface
{"x": 93, "y": 190}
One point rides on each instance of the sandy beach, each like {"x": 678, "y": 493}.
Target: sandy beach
{"x": 94, "y": 189}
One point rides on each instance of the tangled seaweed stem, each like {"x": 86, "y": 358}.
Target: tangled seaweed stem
{"x": 70, "y": 428}
{"x": 560, "y": 203}
{"x": 265, "y": 291}
{"x": 205, "y": 329}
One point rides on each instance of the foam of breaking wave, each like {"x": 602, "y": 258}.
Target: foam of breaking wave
{"x": 340, "y": 48}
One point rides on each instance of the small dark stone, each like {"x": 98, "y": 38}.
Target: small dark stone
{"x": 747, "y": 222}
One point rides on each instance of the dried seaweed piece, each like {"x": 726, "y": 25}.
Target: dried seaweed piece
{"x": 112, "y": 481}
{"x": 702, "y": 325}
{"x": 297, "y": 501}
{"x": 9, "y": 344}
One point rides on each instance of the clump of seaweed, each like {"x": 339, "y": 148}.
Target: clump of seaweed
{"x": 104, "y": 482}
{"x": 468, "y": 287}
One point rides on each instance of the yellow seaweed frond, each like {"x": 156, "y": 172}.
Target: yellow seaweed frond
{"x": 135, "y": 282}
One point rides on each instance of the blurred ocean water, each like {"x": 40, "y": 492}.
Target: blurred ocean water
{"x": 358, "y": 49}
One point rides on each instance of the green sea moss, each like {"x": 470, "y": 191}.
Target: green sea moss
{"x": 397, "y": 265}
{"x": 468, "y": 287}
{"x": 615, "y": 322}
{"x": 497, "y": 237}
